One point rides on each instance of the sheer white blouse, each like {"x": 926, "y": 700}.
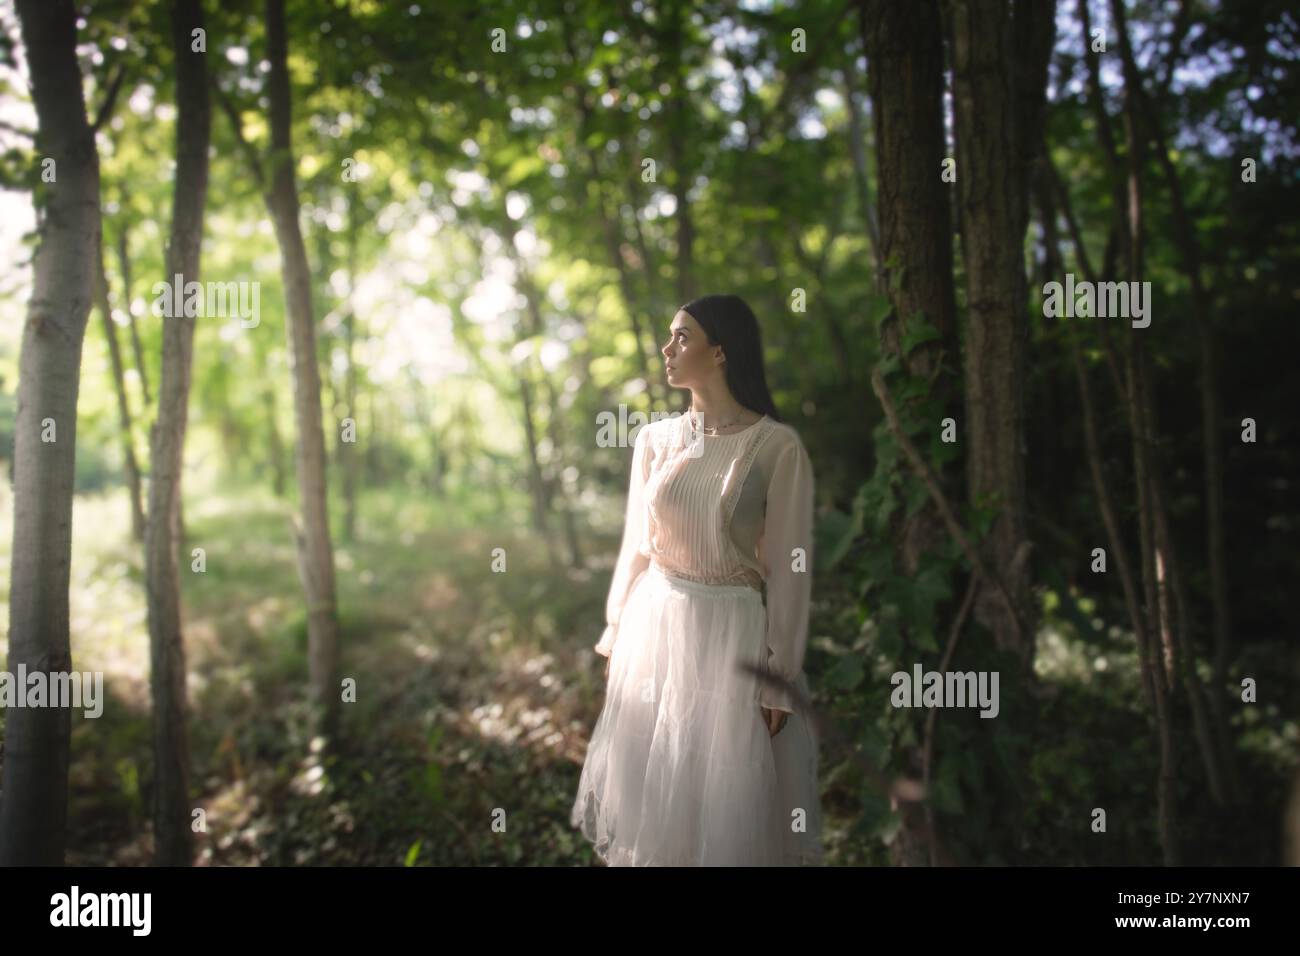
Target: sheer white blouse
{"x": 724, "y": 509}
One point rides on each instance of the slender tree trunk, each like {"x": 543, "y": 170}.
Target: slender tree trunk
{"x": 348, "y": 456}
{"x": 172, "y": 833}
{"x": 315, "y": 551}
{"x": 770, "y": 258}
{"x": 999, "y": 75}
{"x": 536, "y": 483}
{"x": 914, "y": 248}
{"x": 124, "y": 264}
{"x": 858, "y": 151}
{"x": 649, "y": 268}
{"x": 1144, "y": 625}
{"x": 1216, "y": 546}
{"x": 840, "y": 346}
{"x": 555, "y": 496}
{"x": 1185, "y": 235}
{"x": 1105, "y": 500}
{"x": 678, "y": 112}
{"x": 614, "y": 249}
{"x": 129, "y": 463}
{"x": 1139, "y": 421}
{"x": 34, "y": 791}
{"x": 1105, "y": 137}
{"x": 275, "y": 444}
{"x": 611, "y": 230}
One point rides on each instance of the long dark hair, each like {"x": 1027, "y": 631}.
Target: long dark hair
{"x": 730, "y": 322}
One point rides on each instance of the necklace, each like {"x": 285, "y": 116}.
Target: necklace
{"x": 695, "y": 422}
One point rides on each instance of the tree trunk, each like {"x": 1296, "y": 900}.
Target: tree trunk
{"x": 275, "y": 444}
{"x": 914, "y": 250}
{"x": 679, "y": 109}
{"x": 1139, "y": 421}
{"x": 129, "y": 463}
{"x": 348, "y": 452}
{"x": 124, "y": 264}
{"x": 1212, "y": 440}
{"x": 315, "y": 552}
{"x": 611, "y": 230}
{"x": 999, "y": 75}
{"x": 536, "y": 484}
{"x": 1092, "y": 440}
{"x": 555, "y": 496}
{"x": 173, "y": 836}
{"x": 858, "y": 151}
{"x": 34, "y": 805}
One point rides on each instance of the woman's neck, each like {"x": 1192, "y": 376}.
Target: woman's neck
{"x": 716, "y": 403}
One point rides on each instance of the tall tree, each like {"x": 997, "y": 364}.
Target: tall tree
{"x": 34, "y": 806}
{"x": 129, "y": 462}
{"x": 999, "y": 59}
{"x": 315, "y": 551}
{"x": 905, "y": 63}
{"x": 1212, "y": 731}
{"x": 124, "y": 264}
{"x": 171, "y": 811}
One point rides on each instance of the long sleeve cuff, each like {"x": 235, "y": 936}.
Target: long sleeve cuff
{"x": 606, "y": 646}
{"x": 777, "y": 698}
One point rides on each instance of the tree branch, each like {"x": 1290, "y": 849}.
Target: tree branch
{"x": 110, "y": 100}
{"x": 941, "y": 500}
{"x": 250, "y": 151}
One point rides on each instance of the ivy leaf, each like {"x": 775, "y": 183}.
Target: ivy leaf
{"x": 917, "y": 496}
{"x": 837, "y": 531}
{"x": 846, "y": 673}
{"x": 889, "y": 642}
{"x": 884, "y": 512}
{"x": 918, "y": 332}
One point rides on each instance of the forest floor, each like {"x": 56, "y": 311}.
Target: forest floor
{"x": 476, "y": 693}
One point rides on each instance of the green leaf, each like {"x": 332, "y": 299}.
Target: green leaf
{"x": 917, "y": 496}
{"x": 846, "y": 673}
{"x": 896, "y": 278}
{"x": 884, "y": 512}
{"x": 889, "y": 642}
{"x": 918, "y": 332}
{"x": 837, "y": 532}
{"x": 413, "y": 853}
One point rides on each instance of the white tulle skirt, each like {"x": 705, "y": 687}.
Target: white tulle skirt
{"x": 681, "y": 770}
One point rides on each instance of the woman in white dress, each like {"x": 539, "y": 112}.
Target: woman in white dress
{"x": 695, "y": 760}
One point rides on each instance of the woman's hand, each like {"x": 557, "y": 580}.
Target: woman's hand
{"x": 774, "y": 719}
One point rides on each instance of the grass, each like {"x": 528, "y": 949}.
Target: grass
{"x": 475, "y": 696}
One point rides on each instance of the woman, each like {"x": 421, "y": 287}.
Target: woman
{"x": 695, "y": 759}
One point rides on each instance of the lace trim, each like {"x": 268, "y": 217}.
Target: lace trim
{"x": 742, "y": 576}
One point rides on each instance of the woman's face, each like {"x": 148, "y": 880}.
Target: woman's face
{"x": 688, "y": 356}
